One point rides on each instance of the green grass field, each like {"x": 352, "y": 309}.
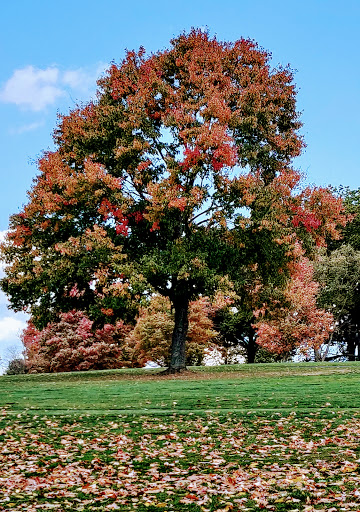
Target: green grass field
{"x": 282, "y": 437}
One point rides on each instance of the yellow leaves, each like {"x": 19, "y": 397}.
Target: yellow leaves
{"x": 183, "y": 274}
{"x": 117, "y": 289}
{"x": 225, "y": 509}
{"x": 92, "y": 239}
{"x": 248, "y": 198}
{"x": 349, "y": 467}
{"x": 297, "y": 479}
{"x": 197, "y": 195}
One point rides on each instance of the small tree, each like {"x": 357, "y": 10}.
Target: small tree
{"x": 155, "y": 324}
{"x": 16, "y": 366}
{"x": 14, "y": 361}
{"x": 70, "y": 344}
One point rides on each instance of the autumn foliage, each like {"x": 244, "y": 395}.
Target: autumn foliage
{"x": 70, "y": 344}
{"x": 155, "y": 324}
{"x": 297, "y": 323}
{"x": 177, "y": 177}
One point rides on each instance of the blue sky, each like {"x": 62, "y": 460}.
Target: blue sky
{"x": 53, "y": 52}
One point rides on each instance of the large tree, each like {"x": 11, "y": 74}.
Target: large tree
{"x": 150, "y": 186}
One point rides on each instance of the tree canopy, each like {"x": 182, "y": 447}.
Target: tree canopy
{"x": 338, "y": 271}
{"x": 177, "y": 179}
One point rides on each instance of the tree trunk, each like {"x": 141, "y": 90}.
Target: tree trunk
{"x": 251, "y": 348}
{"x": 178, "y": 344}
{"x": 317, "y": 354}
{"x": 351, "y": 350}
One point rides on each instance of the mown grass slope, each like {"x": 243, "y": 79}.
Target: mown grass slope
{"x": 275, "y": 437}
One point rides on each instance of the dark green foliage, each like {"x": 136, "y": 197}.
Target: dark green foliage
{"x": 338, "y": 271}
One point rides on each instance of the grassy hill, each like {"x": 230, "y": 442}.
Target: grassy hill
{"x": 245, "y": 437}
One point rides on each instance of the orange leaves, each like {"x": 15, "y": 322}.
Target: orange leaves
{"x": 217, "y": 107}
{"x": 61, "y": 188}
{"x": 19, "y": 235}
{"x": 300, "y": 323}
{"x": 178, "y": 202}
{"x": 143, "y": 165}
{"x": 207, "y": 91}
{"x": 167, "y": 194}
{"x": 93, "y": 239}
{"x": 151, "y": 461}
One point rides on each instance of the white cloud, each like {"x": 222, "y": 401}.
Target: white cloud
{"x": 35, "y": 89}
{"x": 10, "y": 328}
{"x": 32, "y": 88}
{"x": 28, "y": 127}
{"x": 78, "y": 79}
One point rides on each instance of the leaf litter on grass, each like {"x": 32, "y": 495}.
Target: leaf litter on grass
{"x": 206, "y": 463}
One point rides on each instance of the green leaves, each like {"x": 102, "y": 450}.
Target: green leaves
{"x": 154, "y": 177}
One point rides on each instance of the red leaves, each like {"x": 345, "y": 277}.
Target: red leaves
{"x": 52, "y": 464}
{"x": 321, "y": 213}
{"x": 155, "y": 226}
{"x": 71, "y": 344}
{"x": 300, "y": 323}
{"x": 224, "y": 155}
{"x": 305, "y": 218}
{"x": 191, "y": 157}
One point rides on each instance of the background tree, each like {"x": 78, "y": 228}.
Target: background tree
{"x": 297, "y": 323}
{"x": 155, "y": 324}
{"x": 279, "y": 227}
{"x": 350, "y": 232}
{"x": 14, "y": 362}
{"x": 146, "y": 186}
{"x": 71, "y": 344}
{"x": 338, "y": 272}
{"x": 339, "y": 275}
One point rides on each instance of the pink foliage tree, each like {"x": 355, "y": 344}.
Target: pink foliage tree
{"x": 299, "y": 323}
{"x": 71, "y": 344}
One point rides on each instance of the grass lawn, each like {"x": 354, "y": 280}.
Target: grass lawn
{"x": 282, "y": 437}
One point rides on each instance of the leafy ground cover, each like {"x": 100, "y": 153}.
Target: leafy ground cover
{"x": 265, "y": 437}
